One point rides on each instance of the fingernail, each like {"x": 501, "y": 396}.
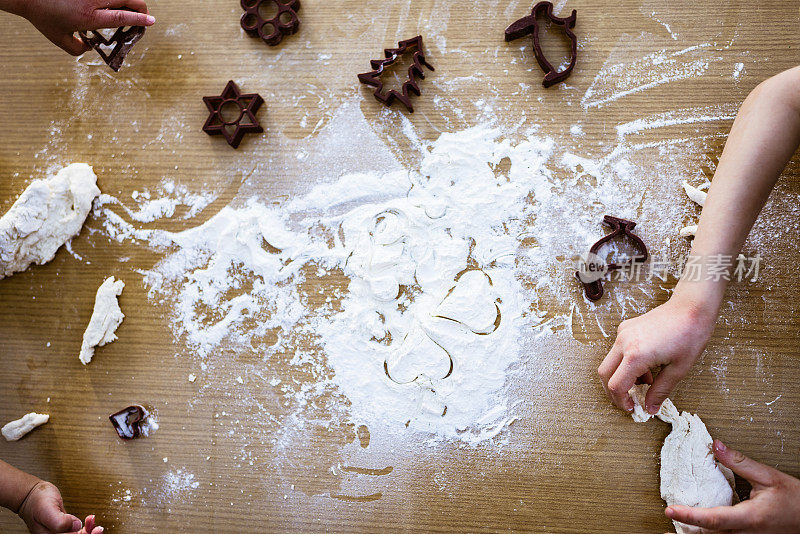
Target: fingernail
{"x": 77, "y": 525}
{"x": 720, "y": 446}
{"x": 629, "y": 406}
{"x": 101, "y": 529}
{"x": 150, "y": 19}
{"x": 669, "y": 513}
{"x": 652, "y": 409}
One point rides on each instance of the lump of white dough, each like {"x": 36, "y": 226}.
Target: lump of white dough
{"x": 690, "y": 475}
{"x": 16, "y": 429}
{"x": 106, "y": 318}
{"x": 46, "y": 215}
{"x": 696, "y": 195}
{"x": 689, "y": 231}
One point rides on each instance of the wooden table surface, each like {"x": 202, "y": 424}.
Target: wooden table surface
{"x": 572, "y": 463}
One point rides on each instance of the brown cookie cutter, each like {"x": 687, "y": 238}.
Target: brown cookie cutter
{"x": 233, "y": 130}
{"x": 120, "y": 42}
{"x": 127, "y": 422}
{"x": 619, "y": 228}
{"x": 373, "y": 79}
{"x": 529, "y": 24}
{"x": 285, "y": 21}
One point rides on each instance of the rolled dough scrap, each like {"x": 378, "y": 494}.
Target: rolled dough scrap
{"x": 696, "y": 195}
{"x": 46, "y": 215}
{"x": 16, "y": 429}
{"x": 106, "y": 318}
{"x": 690, "y": 475}
{"x": 689, "y": 231}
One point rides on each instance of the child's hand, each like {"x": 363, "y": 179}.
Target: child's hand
{"x": 43, "y": 512}
{"x": 672, "y": 335}
{"x": 773, "y": 507}
{"x": 58, "y": 20}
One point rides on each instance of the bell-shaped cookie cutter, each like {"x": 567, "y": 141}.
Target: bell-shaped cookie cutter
{"x": 619, "y": 228}
{"x": 529, "y": 25}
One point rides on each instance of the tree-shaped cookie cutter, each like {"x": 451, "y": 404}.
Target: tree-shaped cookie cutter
{"x": 529, "y": 24}
{"x": 373, "y": 79}
{"x": 285, "y": 21}
{"x": 121, "y": 42}
{"x": 619, "y": 228}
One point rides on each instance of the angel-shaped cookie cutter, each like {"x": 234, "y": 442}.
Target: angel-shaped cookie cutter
{"x": 619, "y": 228}
{"x": 528, "y": 25}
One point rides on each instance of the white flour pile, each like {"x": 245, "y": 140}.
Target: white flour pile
{"x": 431, "y": 318}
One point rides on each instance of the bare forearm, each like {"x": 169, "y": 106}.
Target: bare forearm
{"x": 763, "y": 139}
{"x": 14, "y": 486}
{"x": 17, "y": 7}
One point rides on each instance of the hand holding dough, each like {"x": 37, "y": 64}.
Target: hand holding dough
{"x": 690, "y": 475}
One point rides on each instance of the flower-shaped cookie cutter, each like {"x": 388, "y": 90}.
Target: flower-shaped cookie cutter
{"x": 593, "y": 285}
{"x": 271, "y": 31}
{"x": 529, "y": 24}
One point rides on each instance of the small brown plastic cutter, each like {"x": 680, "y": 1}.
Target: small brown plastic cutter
{"x": 373, "y": 79}
{"x": 243, "y": 107}
{"x": 120, "y": 42}
{"x": 127, "y": 422}
{"x": 271, "y": 31}
{"x": 529, "y": 24}
{"x": 620, "y": 228}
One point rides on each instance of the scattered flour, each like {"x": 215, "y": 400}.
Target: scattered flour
{"x": 430, "y": 321}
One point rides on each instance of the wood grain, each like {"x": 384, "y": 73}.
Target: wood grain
{"x": 577, "y": 466}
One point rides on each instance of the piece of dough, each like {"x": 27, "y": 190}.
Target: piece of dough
{"x": 690, "y": 475}
{"x": 696, "y": 195}
{"x": 106, "y": 318}
{"x": 46, "y": 215}
{"x": 16, "y": 429}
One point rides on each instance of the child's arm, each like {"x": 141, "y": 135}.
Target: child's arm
{"x": 39, "y": 504}
{"x": 58, "y": 20}
{"x": 764, "y": 137}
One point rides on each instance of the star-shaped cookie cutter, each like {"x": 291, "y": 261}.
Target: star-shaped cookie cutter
{"x": 373, "y": 79}
{"x": 233, "y": 130}
{"x": 619, "y": 228}
{"x": 122, "y": 40}
{"x": 529, "y": 24}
